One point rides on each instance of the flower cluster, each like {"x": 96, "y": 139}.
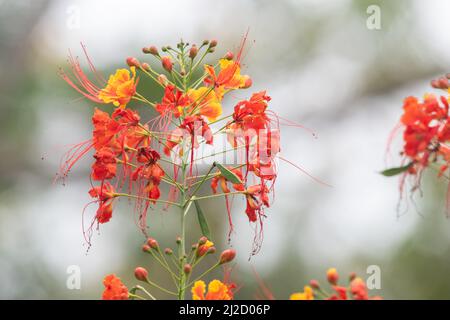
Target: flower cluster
{"x": 426, "y": 135}
{"x": 356, "y": 289}
{"x": 129, "y": 151}
{"x": 137, "y": 159}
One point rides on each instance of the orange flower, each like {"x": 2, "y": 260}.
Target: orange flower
{"x": 223, "y": 182}
{"x": 120, "y": 88}
{"x": 307, "y": 294}
{"x": 114, "y": 288}
{"x": 205, "y": 102}
{"x": 228, "y": 78}
{"x": 217, "y": 290}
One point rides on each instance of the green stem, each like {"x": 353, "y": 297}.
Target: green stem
{"x": 203, "y": 274}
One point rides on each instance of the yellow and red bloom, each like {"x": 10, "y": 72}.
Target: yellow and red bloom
{"x": 307, "y": 294}
{"x": 217, "y": 290}
{"x": 202, "y": 249}
{"x": 228, "y": 78}
{"x": 120, "y": 88}
{"x": 114, "y": 288}
{"x": 356, "y": 290}
{"x": 205, "y": 102}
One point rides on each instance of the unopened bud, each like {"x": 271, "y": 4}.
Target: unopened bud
{"x": 178, "y": 240}
{"x": 202, "y": 240}
{"x": 435, "y": 84}
{"x": 193, "y": 51}
{"x": 152, "y": 243}
{"x": 194, "y": 247}
{"x": 141, "y": 273}
{"x": 133, "y": 62}
{"x": 213, "y": 43}
{"x": 211, "y": 250}
{"x": 211, "y": 50}
{"x": 314, "y": 284}
{"x": 153, "y": 50}
{"x": 167, "y": 63}
{"x": 443, "y": 83}
{"x": 168, "y": 251}
{"x": 163, "y": 80}
{"x": 247, "y": 83}
{"x": 146, "y": 248}
{"x": 187, "y": 268}
{"x": 332, "y": 276}
{"x": 146, "y": 66}
{"x": 227, "y": 256}
{"x": 229, "y": 55}
{"x": 205, "y": 42}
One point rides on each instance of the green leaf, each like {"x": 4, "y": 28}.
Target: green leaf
{"x": 202, "y": 221}
{"x": 230, "y": 176}
{"x": 394, "y": 171}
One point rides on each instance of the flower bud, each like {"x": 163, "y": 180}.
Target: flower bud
{"x": 133, "y": 62}
{"x": 314, "y": 284}
{"x": 141, "y": 273}
{"x": 163, "y": 80}
{"x": 178, "y": 240}
{"x": 229, "y": 55}
{"x": 211, "y": 250}
{"x": 146, "y": 248}
{"x": 152, "y": 243}
{"x": 168, "y": 251}
{"x": 187, "y": 268}
{"x": 167, "y": 63}
{"x": 213, "y": 43}
{"x": 435, "y": 84}
{"x": 202, "y": 240}
{"x": 227, "y": 256}
{"x": 332, "y": 276}
{"x": 205, "y": 42}
{"x": 443, "y": 83}
{"x": 194, "y": 247}
{"x": 146, "y": 66}
{"x": 247, "y": 83}
{"x": 193, "y": 51}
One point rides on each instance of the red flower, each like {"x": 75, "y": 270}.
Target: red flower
{"x": 257, "y": 197}
{"x": 105, "y": 195}
{"x": 150, "y": 172}
{"x": 105, "y": 165}
{"x": 172, "y": 102}
{"x": 251, "y": 114}
{"x": 114, "y": 288}
{"x": 192, "y": 128}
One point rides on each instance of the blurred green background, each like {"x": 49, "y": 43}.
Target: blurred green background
{"x": 323, "y": 68}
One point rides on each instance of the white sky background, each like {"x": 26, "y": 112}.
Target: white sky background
{"x": 356, "y": 215}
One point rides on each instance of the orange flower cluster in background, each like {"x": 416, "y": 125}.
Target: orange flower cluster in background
{"x": 426, "y": 137}
{"x": 355, "y": 290}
